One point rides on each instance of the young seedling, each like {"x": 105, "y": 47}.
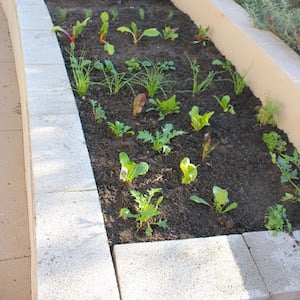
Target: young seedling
{"x": 114, "y": 14}
{"x": 170, "y": 15}
{"x": 170, "y": 33}
{"x": 189, "y": 171}
{"x": 165, "y": 107}
{"x": 221, "y": 201}
{"x": 137, "y": 34}
{"x": 81, "y": 69}
{"x": 76, "y": 31}
{"x": 199, "y": 121}
{"x": 162, "y": 139}
{"x": 62, "y": 13}
{"x": 277, "y": 220}
{"x": 274, "y": 142}
{"x": 119, "y": 129}
{"x": 109, "y": 48}
{"x": 237, "y": 80}
{"x": 207, "y": 147}
{"x": 266, "y": 114}
{"x": 142, "y": 14}
{"x": 98, "y": 112}
{"x": 88, "y": 13}
{"x": 201, "y": 36}
{"x": 131, "y": 170}
{"x": 167, "y": 65}
{"x": 146, "y": 212}
{"x": 224, "y": 103}
{"x": 205, "y": 83}
{"x": 138, "y": 103}
{"x": 134, "y": 65}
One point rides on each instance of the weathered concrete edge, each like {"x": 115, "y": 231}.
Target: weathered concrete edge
{"x": 13, "y": 17}
{"x": 273, "y": 69}
{"x": 72, "y": 259}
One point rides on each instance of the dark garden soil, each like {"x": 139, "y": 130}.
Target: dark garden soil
{"x": 240, "y": 162}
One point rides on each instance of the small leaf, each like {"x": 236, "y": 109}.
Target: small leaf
{"x": 124, "y": 29}
{"x": 149, "y": 230}
{"x": 199, "y": 200}
{"x": 151, "y": 32}
{"x": 230, "y": 207}
{"x": 109, "y": 48}
{"x": 125, "y": 213}
{"x": 104, "y": 17}
{"x": 163, "y": 224}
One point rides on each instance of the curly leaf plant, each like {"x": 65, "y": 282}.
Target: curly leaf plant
{"x": 146, "y": 212}
{"x": 119, "y": 129}
{"x": 131, "y": 170}
{"x": 189, "y": 171}
{"x": 221, "y": 201}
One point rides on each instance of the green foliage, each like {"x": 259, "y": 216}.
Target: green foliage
{"x": 62, "y": 13}
{"x": 131, "y": 170}
{"x": 237, "y": 80}
{"x": 146, "y": 212}
{"x": 142, "y": 14}
{"x": 114, "y": 14}
{"x": 267, "y": 113}
{"x": 119, "y": 129}
{"x": 205, "y": 83}
{"x": 81, "y": 69}
{"x": 165, "y": 107}
{"x": 224, "y": 103}
{"x": 167, "y": 65}
{"x": 170, "y": 15}
{"x": 137, "y": 34}
{"x": 277, "y": 220}
{"x": 170, "y": 33}
{"x": 98, "y": 112}
{"x": 201, "y": 36}
{"x": 134, "y": 65}
{"x": 221, "y": 201}
{"x": 109, "y": 48}
{"x": 189, "y": 171}
{"x": 274, "y": 142}
{"x": 162, "y": 139}
{"x": 87, "y": 13}
{"x": 199, "y": 121}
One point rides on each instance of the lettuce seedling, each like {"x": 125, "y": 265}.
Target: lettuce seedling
{"x": 165, "y": 107}
{"x": 199, "y": 121}
{"x": 224, "y": 103}
{"x": 189, "y": 171}
{"x": 138, "y": 34}
{"x": 145, "y": 211}
{"x": 161, "y": 140}
{"x": 220, "y": 200}
{"x": 170, "y": 33}
{"x": 131, "y": 170}
{"x": 120, "y": 129}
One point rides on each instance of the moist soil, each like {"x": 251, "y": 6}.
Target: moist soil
{"x": 240, "y": 162}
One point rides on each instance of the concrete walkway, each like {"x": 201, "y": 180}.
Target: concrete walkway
{"x": 14, "y": 233}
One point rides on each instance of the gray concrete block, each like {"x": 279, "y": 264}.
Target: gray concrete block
{"x": 60, "y": 160}
{"x": 205, "y": 268}
{"x": 73, "y": 257}
{"x": 278, "y": 260}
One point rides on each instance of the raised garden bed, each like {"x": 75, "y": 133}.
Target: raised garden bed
{"x": 240, "y": 162}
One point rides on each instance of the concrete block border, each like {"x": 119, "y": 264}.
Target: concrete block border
{"x": 69, "y": 249}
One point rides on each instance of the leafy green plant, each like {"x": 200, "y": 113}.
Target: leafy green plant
{"x": 131, "y": 170}
{"x": 119, "y": 129}
{"x": 205, "y": 83}
{"x": 109, "y": 48}
{"x": 167, "y": 65}
{"x": 189, "y": 171}
{"x": 207, "y": 146}
{"x": 165, "y": 107}
{"x": 76, "y": 30}
{"x": 267, "y": 113}
{"x": 98, "y": 112}
{"x": 87, "y": 13}
{"x": 199, "y": 121}
{"x": 142, "y": 14}
{"x": 146, "y": 212}
{"x": 237, "y": 80}
{"x": 162, "y": 139}
{"x": 201, "y": 36}
{"x": 113, "y": 80}
{"x": 81, "y": 69}
{"x": 221, "y": 201}
{"x": 62, "y": 13}
{"x": 114, "y": 14}
{"x": 170, "y": 15}
{"x": 170, "y": 33}
{"x": 134, "y": 65}
{"x": 224, "y": 103}
{"x": 277, "y": 220}
{"x": 153, "y": 79}
{"x": 137, "y": 34}
{"x": 274, "y": 142}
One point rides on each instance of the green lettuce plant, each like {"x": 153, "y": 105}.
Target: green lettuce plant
{"x": 189, "y": 171}
{"x": 199, "y": 121}
{"x": 170, "y": 33}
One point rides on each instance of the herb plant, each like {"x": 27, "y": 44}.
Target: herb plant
{"x": 199, "y": 121}
{"x": 165, "y": 107}
{"x": 221, "y": 201}
{"x": 201, "y": 36}
{"x": 98, "y": 112}
{"x": 170, "y": 33}
{"x": 277, "y": 220}
{"x": 120, "y": 129}
{"x": 162, "y": 139}
{"x": 131, "y": 170}
{"x": 137, "y": 34}
{"x": 267, "y": 113}
{"x": 189, "y": 171}
{"x": 146, "y": 212}
{"x": 224, "y": 103}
